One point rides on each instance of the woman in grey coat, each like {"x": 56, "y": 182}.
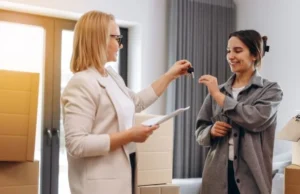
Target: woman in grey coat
{"x": 237, "y": 121}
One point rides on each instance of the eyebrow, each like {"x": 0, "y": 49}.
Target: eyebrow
{"x": 235, "y": 48}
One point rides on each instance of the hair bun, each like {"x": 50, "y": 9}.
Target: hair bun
{"x": 265, "y": 46}
{"x": 265, "y": 38}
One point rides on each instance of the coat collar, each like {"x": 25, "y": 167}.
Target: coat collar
{"x": 256, "y": 80}
{"x": 114, "y": 75}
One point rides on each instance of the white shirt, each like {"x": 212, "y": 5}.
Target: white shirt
{"x": 235, "y": 93}
{"x": 127, "y": 107}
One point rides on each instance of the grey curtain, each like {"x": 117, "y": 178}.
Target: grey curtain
{"x": 198, "y": 32}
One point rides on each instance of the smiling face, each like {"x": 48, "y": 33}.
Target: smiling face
{"x": 113, "y": 44}
{"x": 239, "y": 56}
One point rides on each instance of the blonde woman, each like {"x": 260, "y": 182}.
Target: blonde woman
{"x": 99, "y": 109}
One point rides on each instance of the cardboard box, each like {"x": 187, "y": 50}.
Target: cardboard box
{"x": 158, "y": 189}
{"x": 292, "y": 179}
{"x": 19, "y": 177}
{"x": 155, "y": 156}
{"x": 18, "y": 115}
{"x": 291, "y": 132}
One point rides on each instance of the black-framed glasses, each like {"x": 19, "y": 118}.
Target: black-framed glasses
{"x": 118, "y": 38}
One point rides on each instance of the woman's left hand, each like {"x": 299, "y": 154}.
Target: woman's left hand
{"x": 179, "y": 68}
{"x": 211, "y": 83}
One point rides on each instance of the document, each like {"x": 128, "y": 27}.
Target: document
{"x": 159, "y": 120}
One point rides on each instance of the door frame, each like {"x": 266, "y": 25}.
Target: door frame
{"x": 50, "y": 118}
{"x": 49, "y": 161}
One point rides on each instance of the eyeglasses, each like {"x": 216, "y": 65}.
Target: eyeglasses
{"x": 118, "y": 38}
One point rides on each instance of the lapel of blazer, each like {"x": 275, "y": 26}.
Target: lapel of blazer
{"x": 118, "y": 80}
{"x": 112, "y": 97}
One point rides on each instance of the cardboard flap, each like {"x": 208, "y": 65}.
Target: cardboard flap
{"x": 291, "y": 131}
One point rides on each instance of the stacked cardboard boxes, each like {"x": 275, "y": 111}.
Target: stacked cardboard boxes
{"x": 292, "y": 172}
{"x": 291, "y": 132}
{"x": 158, "y": 189}
{"x": 292, "y": 179}
{"x": 18, "y": 114}
{"x": 19, "y": 177}
{"x": 155, "y": 160}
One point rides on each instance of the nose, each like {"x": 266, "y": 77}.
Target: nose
{"x": 121, "y": 46}
{"x": 230, "y": 56}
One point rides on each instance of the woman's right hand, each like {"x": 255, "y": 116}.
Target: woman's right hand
{"x": 140, "y": 133}
{"x": 178, "y": 69}
{"x": 220, "y": 129}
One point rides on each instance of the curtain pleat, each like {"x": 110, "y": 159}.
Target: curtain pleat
{"x": 198, "y": 32}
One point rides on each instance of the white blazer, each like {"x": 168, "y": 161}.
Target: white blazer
{"x": 90, "y": 114}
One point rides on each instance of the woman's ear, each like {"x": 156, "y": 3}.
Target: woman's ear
{"x": 255, "y": 58}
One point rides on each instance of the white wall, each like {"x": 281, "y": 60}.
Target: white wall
{"x": 147, "y": 21}
{"x": 278, "y": 20}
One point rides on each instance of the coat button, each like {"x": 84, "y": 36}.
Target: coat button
{"x": 238, "y": 180}
{"x": 235, "y": 134}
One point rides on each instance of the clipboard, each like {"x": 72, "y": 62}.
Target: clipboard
{"x": 161, "y": 119}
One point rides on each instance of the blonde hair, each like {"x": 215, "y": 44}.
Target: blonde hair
{"x": 91, "y": 37}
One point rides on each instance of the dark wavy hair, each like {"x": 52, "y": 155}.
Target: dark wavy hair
{"x": 256, "y": 44}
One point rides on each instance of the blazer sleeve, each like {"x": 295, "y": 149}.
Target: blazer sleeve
{"x": 143, "y": 99}
{"x": 79, "y": 104}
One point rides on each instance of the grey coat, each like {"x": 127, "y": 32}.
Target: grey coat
{"x": 253, "y": 119}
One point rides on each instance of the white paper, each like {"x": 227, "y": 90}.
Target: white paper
{"x": 159, "y": 120}
{"x": 291, "y": 131}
